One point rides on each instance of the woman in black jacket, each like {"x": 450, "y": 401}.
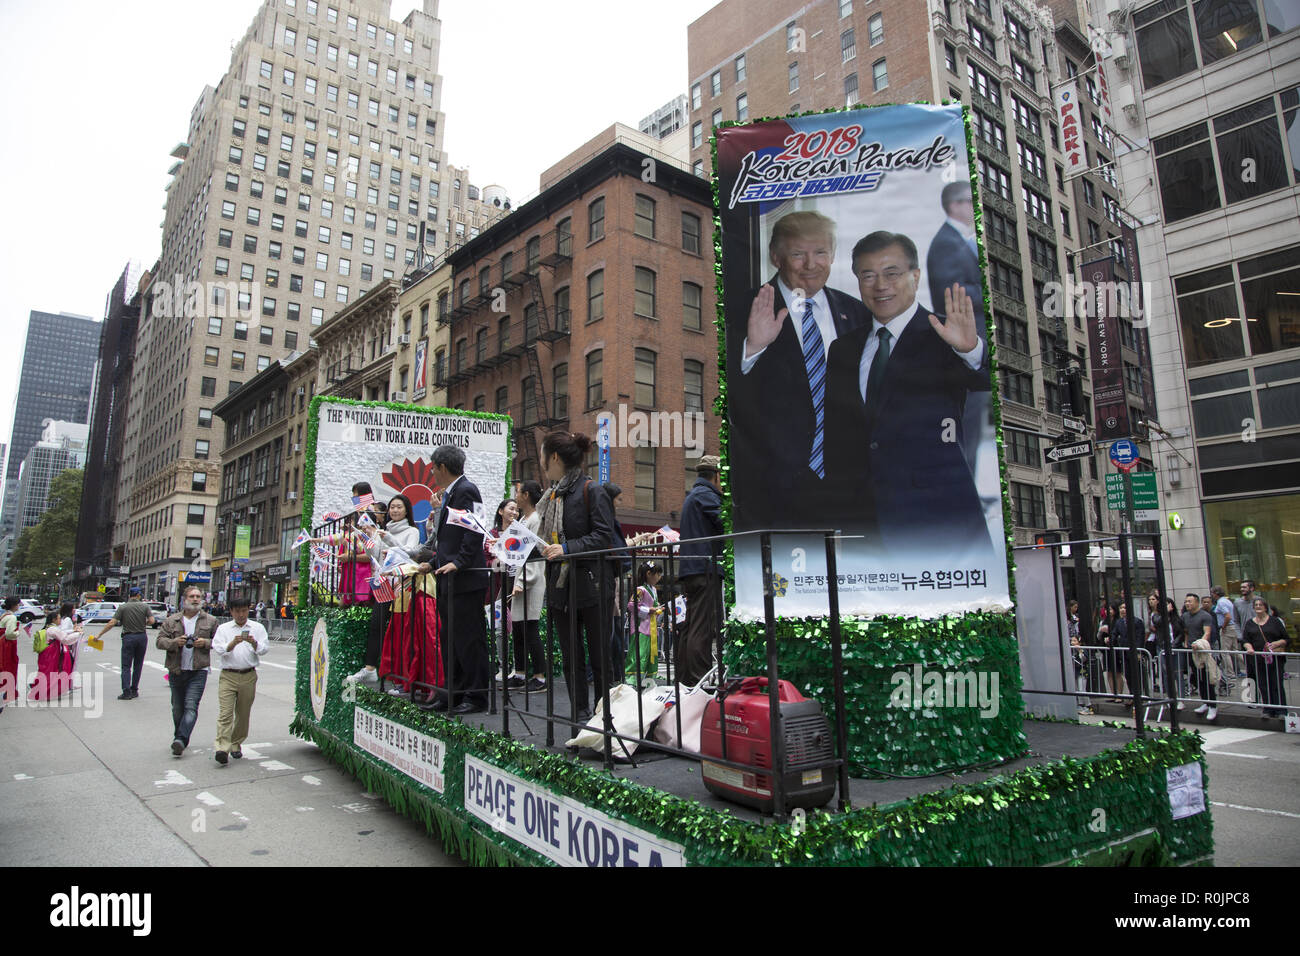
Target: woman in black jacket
{"x": 577, "y": 518}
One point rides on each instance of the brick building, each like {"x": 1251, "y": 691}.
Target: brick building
{"x": 596, "y": 296}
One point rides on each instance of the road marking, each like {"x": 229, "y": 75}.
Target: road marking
{"x": 173, "y": 779}
{"x": 238, "y": 816}
{"x": 23, "y": 776}
{"x": 314, "y": 781}
{"x": 209, "y": 799}
{"x": 155, "y": 665}
{"x": 274, "y": 765}
{"x": 304, "y": 809}
{"x": 1229, "y": 753}
{"x": 1230, "y": 735}
{"x": 258, "y": 745}
{"x": 1235, "y": 806}
{"x": 251, "y": 754}
{"x": 354, "y": 807}
{"x": 283, "y": 667}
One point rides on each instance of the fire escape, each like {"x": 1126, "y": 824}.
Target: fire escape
{"x": 521, "y": 290}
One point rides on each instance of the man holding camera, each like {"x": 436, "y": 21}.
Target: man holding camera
{"x": 240, "y": 645}
{"x": 187, "y": 639}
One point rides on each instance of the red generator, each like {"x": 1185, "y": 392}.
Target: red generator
{"x": 807, "y": 743}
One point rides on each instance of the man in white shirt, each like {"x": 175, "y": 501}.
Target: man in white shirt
{"x": 187, "y": 639}
{"x": 240, "y": 645}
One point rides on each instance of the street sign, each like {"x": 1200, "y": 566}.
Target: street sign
{"x": 1145, "y": 495}
{"x": 1074, "y": 424}
{"x": 1079, "y": 449}
{"x": 1124, "y": 454}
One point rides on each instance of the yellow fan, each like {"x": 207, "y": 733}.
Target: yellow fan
{"x": 96, "y": 642}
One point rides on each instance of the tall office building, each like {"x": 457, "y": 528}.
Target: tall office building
{"x": 57, "y": 370}
{"x": 1205, "y": 96}
{"x": 62, "y": 446}
{"x": 303, "y": 181}
{"x": 1002, "y": 58}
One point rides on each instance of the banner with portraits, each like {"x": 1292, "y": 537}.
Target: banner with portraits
{"x": 858, "y": 366}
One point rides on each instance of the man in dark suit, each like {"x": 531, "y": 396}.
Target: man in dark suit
{"x": 459, "y": 550}
{"x": 953, "y": 257}
{"x": 776, "y": 368}
{"x": 895, "y": 393}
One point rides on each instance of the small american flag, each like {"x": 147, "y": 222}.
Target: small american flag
{"x": 380, "y": 589}
{"x": 362, "y": 501}
{"x": 669, "y": 535}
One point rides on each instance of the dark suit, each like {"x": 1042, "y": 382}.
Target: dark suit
{"x": 773, "y": 422}
{"x": 464, "y": 650}
{"x": 950, "y": 260}
{"x": 893, "y": 473}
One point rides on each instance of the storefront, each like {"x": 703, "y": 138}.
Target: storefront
{"x": 1258, "y": 539}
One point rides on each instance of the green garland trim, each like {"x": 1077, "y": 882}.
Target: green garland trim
{"x": 1037, "y": 816}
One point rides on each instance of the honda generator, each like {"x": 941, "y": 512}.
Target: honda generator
{"x": 745, "y": 702}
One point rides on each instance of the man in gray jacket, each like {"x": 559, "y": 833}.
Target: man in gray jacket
{"x": 187, "y": 639}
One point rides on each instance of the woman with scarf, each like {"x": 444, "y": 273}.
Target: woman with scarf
{"x": 577, "y": 519}
{"x": 411, "y": 648}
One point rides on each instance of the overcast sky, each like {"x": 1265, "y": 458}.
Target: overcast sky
{"x": 94, "y": 96}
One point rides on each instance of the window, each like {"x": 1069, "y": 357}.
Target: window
{"x": 792, "y": 39}
{"x": 692, "y": 312}
{"x": 742, "y": 107}
{"x": 253, "y": 216}
{"x": 211, "y": 355}
{"x": 237, "y": 361}
{"x": 532, "y": 255}
{"x": 851, "y": 89}
{"x": 697, "y": 134}
{"x": 792, "y": 74}
{"x": 562, "y": 314}
{"x": 846, "y": 7}
{"x": 595, "y": 394}
{"x": 695, "y": 96}
{"x": 644, "y": 224}
{"x": 715, "y": 119}
{"x": 693, "y": 386}
{"x": 950, "y": 57}
{"x": 1028, "y": 505}
{"x": 201, "y": 447}
{"x": 198, "y": 481}
{"x": 644, "y": 294}
{"x": 1021, "y": 71}
{"x": 596, "y": 296}
{"x": 879, "y": 75}
{"x": 740, "y": 70}
{"x": 715, "y": 83}
{"x": 984, "y": 84}
{"x": 222, "y": 266}
{"x": 1185, "y": 167}
{"x": 228, "y": 209}
{"x": 596, "y": 220}
{"x": 1164, "y": 39}
{"x": 644, "y": 459}
{"x": 208, "y": 386}
{"x": 690, "y": 233}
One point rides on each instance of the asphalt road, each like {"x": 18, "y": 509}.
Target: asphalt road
{"x": 96, "y": 784}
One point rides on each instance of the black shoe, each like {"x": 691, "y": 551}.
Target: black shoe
{"x": 439, "y": 706}
{"x": 237, "y": 754}
{"x": 125, "y": 695}
{"x": 514, "y": 682}
{"x": 221, "y": 757}
{"x": 178, "y": 748}
{"x": 135, "y": 694}
{"x": 468, "y": 706}
{"x": 584, "y": 715}
{"x": 535, "y": 684}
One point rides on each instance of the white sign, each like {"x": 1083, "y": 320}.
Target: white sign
{"x": 417, "y": 755}
{"x": 1186, "y": 790}
{"x": 1070, "y": 118}
{"x": 320, "y": 668}
{"x": 561, "y": 829}
{"x": 1146, "y": 514}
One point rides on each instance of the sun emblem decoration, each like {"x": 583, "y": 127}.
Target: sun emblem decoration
{"x": 415, "y": 480}
{"x": 779, "y": 585}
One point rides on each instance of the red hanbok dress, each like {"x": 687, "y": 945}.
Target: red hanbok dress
{"x": 412, "y": 645}
{"x": 55, "y": 664}
{"x": 9, "y": 632}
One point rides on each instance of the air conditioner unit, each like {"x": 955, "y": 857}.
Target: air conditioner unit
{"x": 297, "y": 447}
{"x": 252, "y": 509}
{"x": 302, "y": 389}
{"x": 291, "y": 496}
{"x": 399, "y": 396}
{"x": 404, "y": 338}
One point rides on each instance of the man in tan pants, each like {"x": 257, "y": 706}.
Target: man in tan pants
{"x": 239, "y": 646}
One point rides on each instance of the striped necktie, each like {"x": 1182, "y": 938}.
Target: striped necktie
{"x": 814, "y": 359}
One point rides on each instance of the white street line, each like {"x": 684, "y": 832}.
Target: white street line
{"x": 274, "y": 765}
{"x": 1230, "y": 735}
{"x": 23, "y": 776}
{"x": 283, "y": 667}
{"x": 173, "y": 779}
{"x": 250, "y": 753}
{"x": 209, "y": 799}
{"x": 155, "y": 665}
{"x": 309, "y": 779}
{"x": 1229, "y": 753}
{"x": 1234, "y": 806}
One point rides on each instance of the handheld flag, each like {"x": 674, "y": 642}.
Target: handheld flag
{"x": 365, "y": 521}
{"x": 303, "y": 538}
{"x": 381, "y": 590}
{"x": 464, "y": 519}
{"x": 331, "y": 516}
{"x": 679, "y": 608}
{"x": 393, "y": 558}
{"x": 361, "y": 502}
{"x": 514, "y": 544}
{"x": 669, "y": 535}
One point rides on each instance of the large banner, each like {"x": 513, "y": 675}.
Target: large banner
{"x": 855, "y": 333}
{"x": 1110, "y": 404}
{"x": 391, "y": 446}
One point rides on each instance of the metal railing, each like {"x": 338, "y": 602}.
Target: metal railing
{"x": 569, "y": 633}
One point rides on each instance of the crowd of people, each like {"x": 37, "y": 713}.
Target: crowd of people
{"x": 1214, "y": 643}
{"x": 428, "y": 634}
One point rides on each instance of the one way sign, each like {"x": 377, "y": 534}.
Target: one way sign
{"x": 1055, "y": 453}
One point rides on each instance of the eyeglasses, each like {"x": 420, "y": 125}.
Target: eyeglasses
{"x": 889, "y": 275}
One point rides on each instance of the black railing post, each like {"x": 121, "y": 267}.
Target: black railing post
{"x": 837, "y": 670}
{"x": 1171, "y": 671}
{"x": 1135, "y": 627}
{"x": 773, "y": 691}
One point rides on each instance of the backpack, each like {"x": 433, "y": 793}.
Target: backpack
{"x": 40, "y": 641}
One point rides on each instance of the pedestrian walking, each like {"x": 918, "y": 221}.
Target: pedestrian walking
{"x": 9, "y": 630}
{"x": 134, "y": 616}
{"x": 187, "y": 638}
{"x": 240, "y": 644}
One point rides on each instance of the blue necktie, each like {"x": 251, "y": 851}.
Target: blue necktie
{"x": 973, "y": 248}
{"x": 814, "y": 359}
{"x": 876, "y": 376}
